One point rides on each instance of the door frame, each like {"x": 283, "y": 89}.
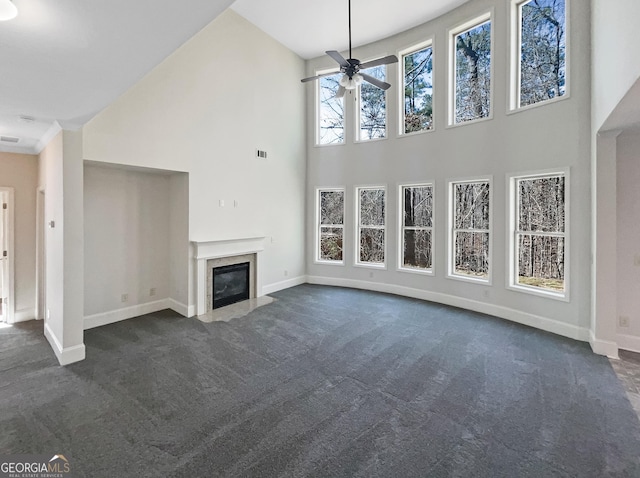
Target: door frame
{"x": 9, "y": 194}
{"x": 41, "y": 254}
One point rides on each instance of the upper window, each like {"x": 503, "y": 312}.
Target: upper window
{"x": 372, "y": 103}
{"x": 330, "y": 111}
{"x": 417, "y": 76}
{"x": 371, "y": 226}
{"x": 470, "y": 97}
{"x": 330, "y": 225}
{"x": 417, "y": 227}
{"x": 538, "y": 242}
{"x": 470, "y": 247}
{"x": 541, "y": 55}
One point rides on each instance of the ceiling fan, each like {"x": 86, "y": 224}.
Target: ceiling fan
{"x": 352, "y": 77}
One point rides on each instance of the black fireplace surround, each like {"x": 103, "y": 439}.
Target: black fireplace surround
{"x": 230, "y": 284}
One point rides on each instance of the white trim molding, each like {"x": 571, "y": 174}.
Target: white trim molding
{"x": 104, "y": 318}
{"x": 543, "y": 323}
{"x": 629, "y": 342}
{"x": 66, "y": 356}
{"x": 285, "y": 284}
{"x": 205, "y": 250}
{"x": 603, "y": 347}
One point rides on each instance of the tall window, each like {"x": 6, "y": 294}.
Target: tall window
{"x": 470, "y": 229}
{"x": 471, "y": 61}
{"x": 417, "y": 227}
{"x": 418, "y": 90}
{"x": 541, "y": 59}
{"x": 538, "y": 242}
{"x": 330, "y": 111}
{"x": 371, "y": 225}
{"x": 373, "y": 107}
{"x": 330, "y": 225}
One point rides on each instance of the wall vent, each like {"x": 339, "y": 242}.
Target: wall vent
{"x": 261, "y": 154}
{"x": 9, "y": 139}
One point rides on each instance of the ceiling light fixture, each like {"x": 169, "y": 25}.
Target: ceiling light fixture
{"x": 8, "y": 10}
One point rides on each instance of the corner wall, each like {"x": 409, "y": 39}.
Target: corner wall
{"x": 204, "y": 110}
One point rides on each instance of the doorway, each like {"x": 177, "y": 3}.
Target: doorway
{"x": 6, "y": 256}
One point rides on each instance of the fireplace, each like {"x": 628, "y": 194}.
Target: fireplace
{"x": 230, "y": 284}
{"x": 213, "y": 254}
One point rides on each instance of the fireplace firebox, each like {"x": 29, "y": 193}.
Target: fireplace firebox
{"x": 230, "y": 284}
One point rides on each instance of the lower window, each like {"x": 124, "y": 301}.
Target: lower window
{"x": 371, "y": 226}
{"x": 417, "y": 227}
{"x": 538, "y": 241}
{"x": 330, "y": 225}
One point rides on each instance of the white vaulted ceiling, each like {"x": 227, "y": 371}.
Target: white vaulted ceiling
{"x": 64, "y": 61}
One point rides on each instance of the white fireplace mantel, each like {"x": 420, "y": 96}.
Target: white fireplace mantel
{"x": 205, "y": 250}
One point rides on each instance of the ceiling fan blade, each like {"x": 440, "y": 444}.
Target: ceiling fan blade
{"x": 341, "y": 91}
{"x": 375, "y": 82}
{"x": 311, "y": 78}
{"x": 387, "y": 60}
{"x": 338, "y": 57}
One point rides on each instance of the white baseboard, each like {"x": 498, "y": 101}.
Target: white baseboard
{"x": 603, "y": 347}
{"x": 285, "y": 284}
{"x": 65, "y": 356}
{"x": 629, "y": 342}
{"x": 23, "y": 315}
{"x": 536, "y": 321}
{"x": 113, "y": 316}
{"x": 180, "y": 308}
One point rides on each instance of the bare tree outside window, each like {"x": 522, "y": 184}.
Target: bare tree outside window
{"x": 418, "y": 90}
{"x": 417, "y": 227}
{"x": 373, "y": 106}
{"x": 331, "y": 227}
{"x": 542, "y": 50}
{"x": 473, "y": 73}
{"x": 330, "y": 111}
{"x": 371, "y": 225}
{"x": 540, "y": 234}
{"x": 471, "y": 229}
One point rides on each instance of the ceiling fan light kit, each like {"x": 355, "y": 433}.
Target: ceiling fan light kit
{"x": 350, "y": 68}
{"x": 8, "y": 10}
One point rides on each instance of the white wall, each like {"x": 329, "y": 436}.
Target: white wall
{"x": 616, "y": 58}
{"x": 20, "y": 171}
{"x": 550, "y": 136}
{"x": 204, "y": 110}
{"x": 127, "y": 232}
{"x": 628, "y": 239}
{"x": 60, "y": 177}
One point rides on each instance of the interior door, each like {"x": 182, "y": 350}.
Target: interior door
{"x": 4, "y": 260}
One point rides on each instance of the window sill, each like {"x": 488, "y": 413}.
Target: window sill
{"x": 472, "y": 280}
{"x": 563, "y": 297}
{"x": 520, "y": 109}
{"x": 373, "y": 140}
{"x": 416, "y": 133}
{"x": 372, "y": 265}
{"x": 328, "y": 263}
{"x": 467, "y": 123}
{"x": 328, "y": 145}
{"x": 422, "y": 272}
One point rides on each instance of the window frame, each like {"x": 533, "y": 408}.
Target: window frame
{"x": 319, "y": 226}
{"x": 476, "y": 21}
{"x": 416, "y": 47}
{"x": 452, "y": 231}
{"x": 401, "y": 227}
{"x": 512, "y": 233}
{"x": 370, "y": 265}
{"x": 515, "y": 72}
{"x": 317, "y": 142}
{"x": 358, "y": 101}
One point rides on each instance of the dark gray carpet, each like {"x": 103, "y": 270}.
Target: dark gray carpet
{"x": 323, "y": 382}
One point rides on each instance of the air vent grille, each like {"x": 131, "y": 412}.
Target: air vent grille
{"x": 9, "y": 139}
{"x": 261, "y": 154}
